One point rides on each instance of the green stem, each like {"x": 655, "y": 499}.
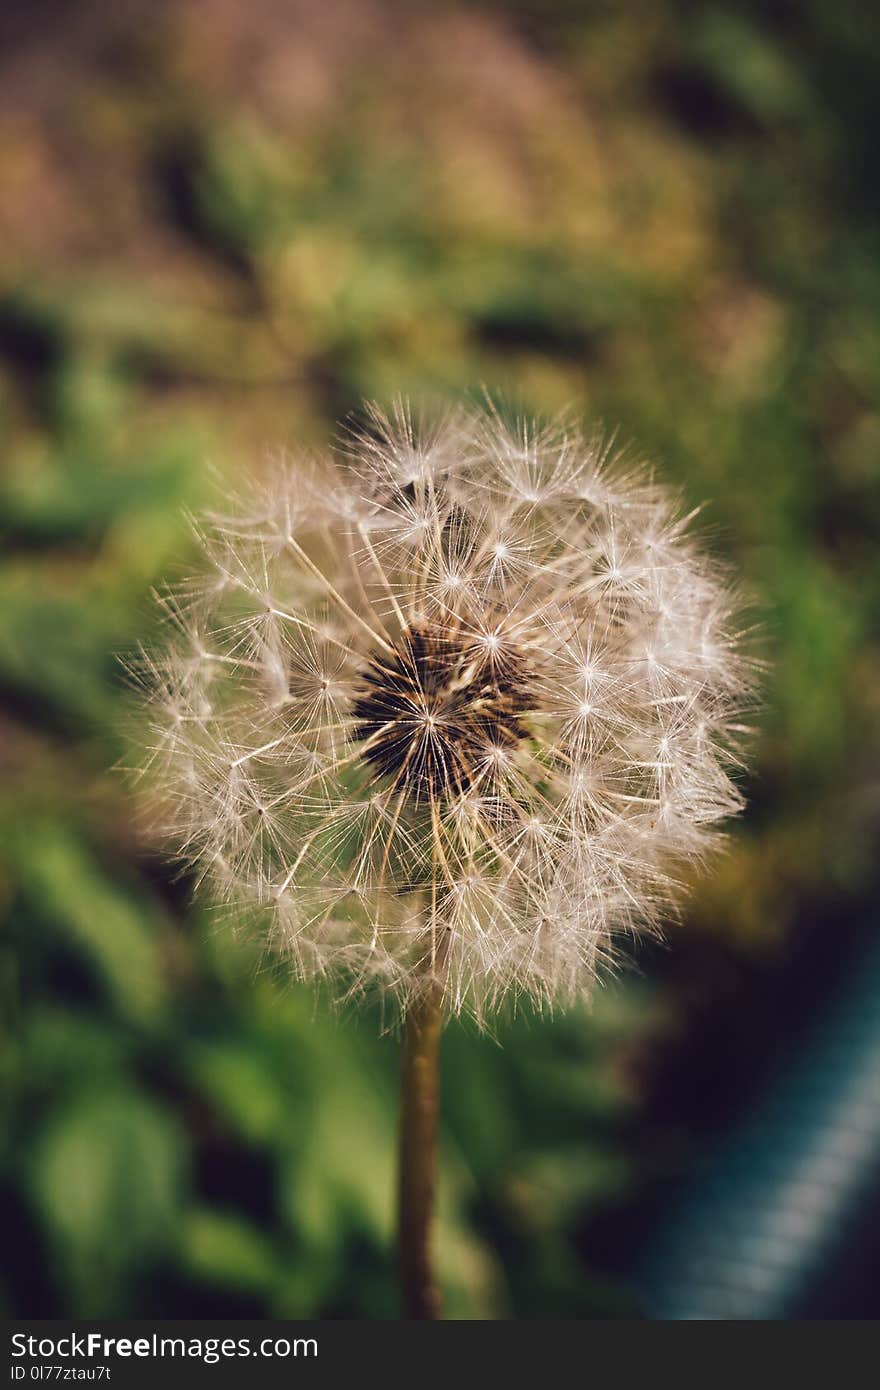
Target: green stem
{"x": 418, "y": 1156}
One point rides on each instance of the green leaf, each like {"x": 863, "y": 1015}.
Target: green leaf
{"x": 242, "y": 1081}
{"x": 65, "y": 885}
{"x": 105, "y": 1178}
{"x": 222, "y": 1248}
{"x": 60, "y": 1047}
{"x": 345, "y": 1172}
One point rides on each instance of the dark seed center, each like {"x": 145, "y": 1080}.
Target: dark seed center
{"x": 438, "y": 713}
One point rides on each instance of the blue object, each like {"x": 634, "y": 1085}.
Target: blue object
{"x": 752, "y": 1236}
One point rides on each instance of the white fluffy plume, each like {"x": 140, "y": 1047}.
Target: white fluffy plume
{"x": 452, "y": 707}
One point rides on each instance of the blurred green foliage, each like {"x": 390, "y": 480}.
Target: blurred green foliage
{"x": 224, "y": 226}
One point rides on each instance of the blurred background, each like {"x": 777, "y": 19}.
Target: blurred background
{"x": 222, "y": 225}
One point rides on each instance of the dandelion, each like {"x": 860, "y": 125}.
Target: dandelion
{"x": 450, "y": 713}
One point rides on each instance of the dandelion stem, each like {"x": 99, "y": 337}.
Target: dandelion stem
{"x": 418, "y": 1156}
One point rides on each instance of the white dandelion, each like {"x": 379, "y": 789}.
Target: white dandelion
{"x": 452, "y": 710}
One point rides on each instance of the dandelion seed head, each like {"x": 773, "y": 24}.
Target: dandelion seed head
{"x": 453, "y": 707}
